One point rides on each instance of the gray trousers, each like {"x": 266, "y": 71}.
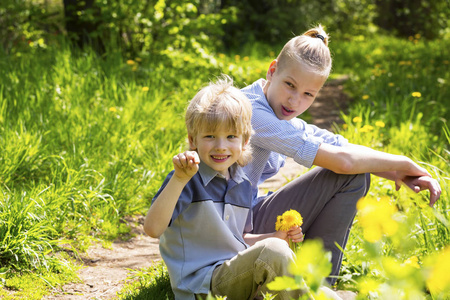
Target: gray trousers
{"x": 327, "y": 203}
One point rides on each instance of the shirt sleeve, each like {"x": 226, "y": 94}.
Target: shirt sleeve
{"x": 185, "y": 198}
{"x": 294, "y": 138}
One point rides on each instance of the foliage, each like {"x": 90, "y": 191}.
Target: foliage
{"x": 427, "y": 18}
{"x": 82, "y": 144}
{"x": 150, "y": 283}
{"x": 274, "y": 22}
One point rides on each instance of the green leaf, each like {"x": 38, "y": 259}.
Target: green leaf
{"x": 283, "y": 283}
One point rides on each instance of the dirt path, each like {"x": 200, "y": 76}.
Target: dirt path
{"x": 105, "y": 271}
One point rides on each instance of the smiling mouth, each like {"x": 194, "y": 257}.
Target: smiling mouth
{"x": 286, "y": 111}
{"x": 219, "y": 157}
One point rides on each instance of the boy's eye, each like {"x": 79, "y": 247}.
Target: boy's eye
{"x": 309, "y": 94}
{"x": 231, "y": 136}
{"x": 209, "y": 136}
{"x": 289, "y": 84}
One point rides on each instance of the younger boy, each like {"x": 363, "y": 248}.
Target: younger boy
{"x": 200, "y": 211}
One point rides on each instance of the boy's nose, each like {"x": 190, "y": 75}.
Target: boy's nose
{"x": 220, "y": 145}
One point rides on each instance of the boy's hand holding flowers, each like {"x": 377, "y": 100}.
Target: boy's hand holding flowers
{"x": 288, "y": 228}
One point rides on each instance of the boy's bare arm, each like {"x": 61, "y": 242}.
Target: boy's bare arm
{"x": 295, "y": 234}
{"x": 160, "y": 213}
{"x": 357, "y": 159}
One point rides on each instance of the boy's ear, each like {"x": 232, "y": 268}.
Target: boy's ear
{"x": 192, "y": 145}
{"x": 272, "y": 69}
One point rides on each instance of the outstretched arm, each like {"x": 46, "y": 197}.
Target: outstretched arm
{"x": 295, "y": 234}
{"x": 160, "y": 213}
{"x": 356, "y": 159}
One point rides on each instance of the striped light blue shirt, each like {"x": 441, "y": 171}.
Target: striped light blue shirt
{"x": 273, "y": 140}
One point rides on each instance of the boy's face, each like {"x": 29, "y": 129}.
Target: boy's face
{"x": 218, "y": 149}
{"x": 292, "y": 89}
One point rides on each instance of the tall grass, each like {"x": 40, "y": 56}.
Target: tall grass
{"x": 87, "y": 140}
{"x": 84, "y": 141}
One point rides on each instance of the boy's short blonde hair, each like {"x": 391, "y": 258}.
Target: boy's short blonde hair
{"x": 221, "y": 104}
{"x": 311, "y": 49}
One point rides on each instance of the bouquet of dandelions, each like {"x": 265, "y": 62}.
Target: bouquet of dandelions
{"x": 288, "y": 220}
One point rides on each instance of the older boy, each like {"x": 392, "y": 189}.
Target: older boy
{"x": 325, "y": 196}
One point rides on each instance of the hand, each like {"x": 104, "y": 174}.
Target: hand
{"x": 294, "y": 234}
{"x": 186, "y": 164}
{"x": 420, "y": 183}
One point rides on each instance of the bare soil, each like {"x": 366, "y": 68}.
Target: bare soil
{"x": 104, "y": 271}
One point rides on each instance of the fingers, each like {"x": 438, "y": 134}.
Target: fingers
{"x": 186, "y": 162}
{"x": 295, "y": 234}
{"x": 421, "y": 183}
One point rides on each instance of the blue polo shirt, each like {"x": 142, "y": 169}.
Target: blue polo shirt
{"x": 206, "y": 228}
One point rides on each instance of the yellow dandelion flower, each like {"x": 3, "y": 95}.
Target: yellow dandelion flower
{"x": 131, "y": 62}
{"x": 380, "y": 124}
{"x": 221, "y": 55}
{"x": 376, "y": 218}
{"x": 413, "y": 261}
{"x": 416, "y": 94}
{"x": 391, "y": 84}
{"x": 344, "y": 126}
{"x": 439, "y": 279}
{"x": 134, "y": 68}
{"x": 288, "y": 220}
{"x": 138, "y": 59}
{"x": 365, "y": 97}
{"x": 357, "y": 120}
{"x": 368, "y": 285}
{"x": 366, "y": 128}
{"x": 246, "y": 58}
{"x": 145, "y": 89}
{"x": 417, "y": 35}
{"x": 112, "y": 109}
{"x": 237, "y": 57}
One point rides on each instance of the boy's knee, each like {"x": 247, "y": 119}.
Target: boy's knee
{"x": 276, "y": 252}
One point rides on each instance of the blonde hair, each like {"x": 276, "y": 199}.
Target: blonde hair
{"x": 310, "y": 48}
{"x": 221, "y": 104}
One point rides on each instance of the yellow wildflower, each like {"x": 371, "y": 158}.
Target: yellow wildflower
{"x": 439, "y": 279}
{"x": 391, "y": 84}
{"x": 366, "y": 128}
{"x": 365, "y": 97}
{"x": 413, "y": 261}
{"x": 376, "y": 218}
{"x": 288, "y": 220}
{"x": 131, "y": 62}
{"x": 237, "y": 57}
{"x": 380, "y": 124}
{"x": 246, "y": 58}
{"x": 416, "y": 94}
{"x": 138, "y": 59}
{"x": 112, "y": 109}
{"x": 145, "y": 89}
{"x": 357, "y": 120}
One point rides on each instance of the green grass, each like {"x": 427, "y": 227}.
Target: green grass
{"x": 87, "y": 140}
